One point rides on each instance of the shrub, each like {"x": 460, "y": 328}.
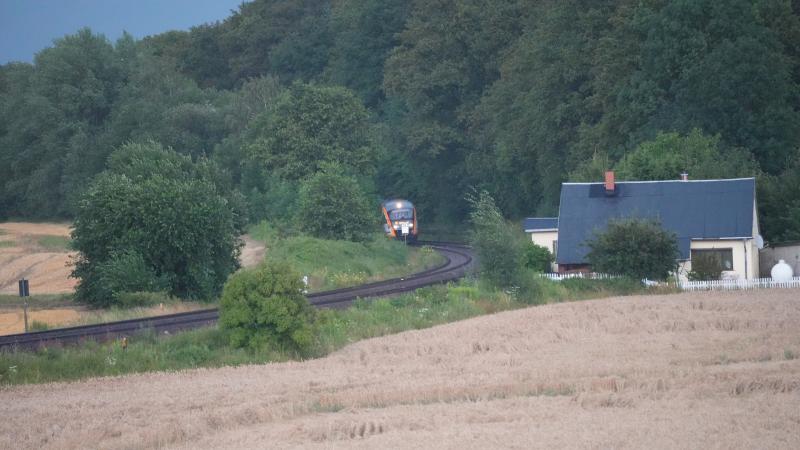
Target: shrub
{"x": 705, "y": 266}
{"x": 265, "y": 307}
{"x": 122, "y": 273}
{"x": 497, "y": 244}
{"x": 333, "y": 206}
{"x": 634, "y": 247}
{"x": 537, "y": 257}
{"x": 162, "y": 213}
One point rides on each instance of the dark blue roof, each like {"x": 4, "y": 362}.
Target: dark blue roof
{"x": 707, "y": 209}
{"x": 540, "y": 223}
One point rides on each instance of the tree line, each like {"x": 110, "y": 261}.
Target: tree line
{"x": 421, "y": 99}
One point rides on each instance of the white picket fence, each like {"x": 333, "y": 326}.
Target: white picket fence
{"x": 713, "y": 285}
{"x": 735, "y": 285}
{"x": 588, "y": 275}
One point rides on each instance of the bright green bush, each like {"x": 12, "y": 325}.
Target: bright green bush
{"x": 265, "y": 307}
{"x": 537, "y": 257}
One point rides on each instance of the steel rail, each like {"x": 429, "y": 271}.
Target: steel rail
{"x": 458, "y": 259}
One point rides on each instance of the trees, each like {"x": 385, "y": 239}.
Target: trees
{"x": 496, "y": 242}
{"x": 634, "y": 247}
{"x": 158, "y": 209}
{"x": 312, "y": 125}
{"x": 265, "y": 306}
{"x": 333, "y": 206}
{"x": 670, "y": 154}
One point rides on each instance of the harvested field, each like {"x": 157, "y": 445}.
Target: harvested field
{"x": 701, "y": 370}
{"x": 24, "y": 256}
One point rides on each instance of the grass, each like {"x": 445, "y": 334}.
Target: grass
{"x": 5, "y": 244}
{"x": 40, "y": 301}
{"x": 334, "y": 329}
{"x": 334, "y": 264}
{"x": 55, "y": 243}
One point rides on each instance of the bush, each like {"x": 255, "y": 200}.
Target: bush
{"x": 705, "y": 266}
{"x": 333, "y": 206}
{"x": 636, "y": 248}
{"x": 265, "y": 307}
{"x": 123, "y": 273}
{"x": 155, "y": 220}
{"x": 537, "y": 257}
{"x": 497, "y": 244}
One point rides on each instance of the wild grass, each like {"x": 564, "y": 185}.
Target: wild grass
{"x": 55, "y": 243}
{"x": 6, "y": 244}
{"x": 333, "y": 264}
{"x": 335, "y": 329}
{"x": 40, "y": 301}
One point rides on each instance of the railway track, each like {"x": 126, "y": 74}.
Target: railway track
{"x": 458, "y": 259}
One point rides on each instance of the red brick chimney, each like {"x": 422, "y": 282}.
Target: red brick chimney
{"x": 610, "y": 186}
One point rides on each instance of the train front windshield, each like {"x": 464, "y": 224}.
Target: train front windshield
{"x": 401, "y": 214}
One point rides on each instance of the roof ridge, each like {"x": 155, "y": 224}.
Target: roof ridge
{"x": 663, "y": 181}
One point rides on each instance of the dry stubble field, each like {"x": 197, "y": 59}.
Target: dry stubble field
{"x": 48, "y": 269}
{"x": 701, "y": 370}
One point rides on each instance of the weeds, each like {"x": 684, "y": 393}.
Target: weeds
{"x": 55, "y": 243}
{"x": 331, "y": 264}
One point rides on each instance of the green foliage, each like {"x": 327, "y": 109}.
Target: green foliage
{"x": 496, "y": 242}
{"x": 311, "y": 126}
{"x": 38, "y": 326}
{"x": 335, "y": 328}
{"x": 122, "y": 274}
{"x": 512, "y": 97}
{"x": 265, "y": 307}
{"x": 779, "y": 203}
{"x": 165, "y": 217}
{"x": 634, "y": 247}
{"x": 331, "y": 264}
{"x": 537, "y": 257}
{"x": 670, "y": 154}
{"x": 705, "y": 266}
{"x": 333, "y": 206}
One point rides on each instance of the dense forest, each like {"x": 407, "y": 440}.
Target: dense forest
{"x": 422, "y": 99}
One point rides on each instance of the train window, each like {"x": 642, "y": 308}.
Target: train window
{"x": 401, "y": 214}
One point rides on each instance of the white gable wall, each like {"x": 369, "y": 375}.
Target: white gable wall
{"x": 546, "y": 239}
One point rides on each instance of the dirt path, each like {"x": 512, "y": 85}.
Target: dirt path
{"x": 252, "y": 253}
{"x": 701, "y": 370}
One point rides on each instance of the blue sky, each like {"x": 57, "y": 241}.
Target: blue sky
{"x": 28, "y": 26}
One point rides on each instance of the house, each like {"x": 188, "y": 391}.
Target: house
{"x": 544, "y": 232}
{"x": 708, "y": 216}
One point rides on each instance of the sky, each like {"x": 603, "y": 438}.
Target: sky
{"x": 28, "y": 26}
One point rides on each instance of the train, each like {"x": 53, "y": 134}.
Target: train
{"x": 401, "y": 220}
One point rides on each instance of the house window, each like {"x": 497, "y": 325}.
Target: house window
{"x": 723, "y": 255}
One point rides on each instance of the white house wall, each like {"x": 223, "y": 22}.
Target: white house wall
{"x": 744, "y": 253}
{"x": 546, "y": 239}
